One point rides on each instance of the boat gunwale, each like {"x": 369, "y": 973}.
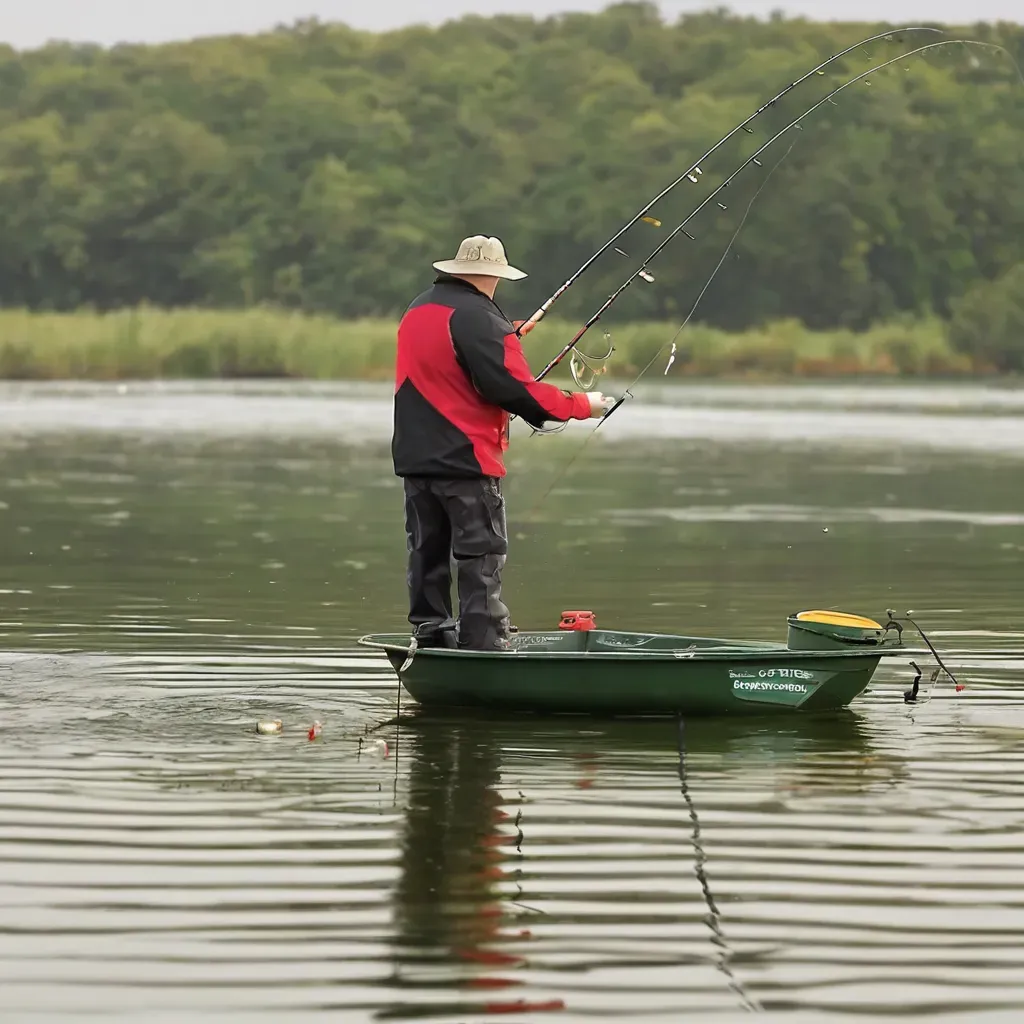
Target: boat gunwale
{"x": 725, "y": 650}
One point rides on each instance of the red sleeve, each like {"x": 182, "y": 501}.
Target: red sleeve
{"x": 559, "y": 404}
{"x": 497, "y": 367}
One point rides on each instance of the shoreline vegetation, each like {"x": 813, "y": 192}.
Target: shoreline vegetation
{"x": 323, "y": 169}
{"x": 151, "y": 343}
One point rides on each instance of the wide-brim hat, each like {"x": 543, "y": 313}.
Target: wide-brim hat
{"x": 481, "y": 255}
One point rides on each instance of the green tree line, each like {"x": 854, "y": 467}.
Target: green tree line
{"x": 322, "y": 169}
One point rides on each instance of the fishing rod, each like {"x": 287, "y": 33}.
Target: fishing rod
{"x": 753, "y": 159}
{"x": 689, "y": 316}
{"x": 689, "y": 173}
{"x": 702, "y": 293}
{"x": 627, "y": 393}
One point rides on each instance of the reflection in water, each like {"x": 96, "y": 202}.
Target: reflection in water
{"x": 473, "y": 902}
{"x": 714, "y": 918}
{"x": 457, "y": 839}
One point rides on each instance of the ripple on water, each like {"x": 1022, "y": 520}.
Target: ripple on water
{"x": 156, "y": 852}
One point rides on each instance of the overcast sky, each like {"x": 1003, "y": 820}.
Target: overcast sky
{"x": 30, "y": 23}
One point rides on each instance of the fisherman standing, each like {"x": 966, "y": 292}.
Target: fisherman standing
{"x": 460, "y": 373}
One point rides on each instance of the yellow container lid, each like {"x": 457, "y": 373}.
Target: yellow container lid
{"x": 838, "y": 619}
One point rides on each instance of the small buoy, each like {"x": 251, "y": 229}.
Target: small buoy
{"x": 269, "y": 728}
{"x": 314, "y": 730}
{"x": 824, "y": 529}
{"x": 380, "y": 748}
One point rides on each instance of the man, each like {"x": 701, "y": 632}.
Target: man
{"x": 460, "y": 372}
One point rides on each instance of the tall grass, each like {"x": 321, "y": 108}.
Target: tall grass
{"x": 192, "y": 343}
{"x": 786, "y": 348}
{"x": 146, "y": 343}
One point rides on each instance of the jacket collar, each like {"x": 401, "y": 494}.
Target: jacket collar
{"x": 458, "y": 282}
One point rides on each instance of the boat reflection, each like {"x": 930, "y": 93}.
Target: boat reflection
{"x": 465, "y": 920}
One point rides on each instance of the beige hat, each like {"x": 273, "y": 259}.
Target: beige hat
{"x": 481, "y": 255}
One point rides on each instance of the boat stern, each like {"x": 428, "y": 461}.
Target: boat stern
{"x": 832, "y": 631}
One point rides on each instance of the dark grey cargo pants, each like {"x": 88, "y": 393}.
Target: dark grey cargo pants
{"x": 464, "y": 519}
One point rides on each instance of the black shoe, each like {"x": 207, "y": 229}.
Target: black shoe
{"x": 445, "y": 638}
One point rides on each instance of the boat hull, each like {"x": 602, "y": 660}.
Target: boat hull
{"x": 700, "y": 678}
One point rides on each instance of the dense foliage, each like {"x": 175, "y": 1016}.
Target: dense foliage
{"x": 988, "y": 322}
{"x": 323, "y": 169}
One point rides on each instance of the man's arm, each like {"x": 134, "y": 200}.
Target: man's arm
{"x": 499, "y": 371}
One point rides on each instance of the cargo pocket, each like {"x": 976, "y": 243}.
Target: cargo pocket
{"x": 495, "y": 502}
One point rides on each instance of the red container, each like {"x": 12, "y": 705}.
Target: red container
{"x": 577, "y": 620}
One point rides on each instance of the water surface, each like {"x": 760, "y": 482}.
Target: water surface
{"x": 180, "y": 562}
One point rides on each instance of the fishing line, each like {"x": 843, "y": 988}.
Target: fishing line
{"x": 753, "y": 159}
{"x": 693, "y": 309}
{"x": 693, "y": 169}
{"x": 398, "y": 720}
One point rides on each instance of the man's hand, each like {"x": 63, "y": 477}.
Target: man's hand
{"x": 599, "y": 404}
{"x": 523, "y": 327}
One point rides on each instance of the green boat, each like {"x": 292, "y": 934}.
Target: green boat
{"x": 827, "y": 662}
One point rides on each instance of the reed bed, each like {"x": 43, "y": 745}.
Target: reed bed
{"x": 148, "y": 343}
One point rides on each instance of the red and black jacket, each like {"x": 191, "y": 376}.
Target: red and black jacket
{"x": 460, "y": 372}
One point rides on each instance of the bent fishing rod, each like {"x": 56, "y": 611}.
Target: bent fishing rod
{"x": 672, "y": 341}
{"x": 747, "y": 161}
{"x": 689, "y": 173}
{"x": 700, "y": 296}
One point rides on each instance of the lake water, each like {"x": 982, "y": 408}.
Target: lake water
{"x": 180, "y": 562}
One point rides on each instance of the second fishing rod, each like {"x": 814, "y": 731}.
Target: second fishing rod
{"x": 693, "y": 170}
{"x": 753, "y": 160}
